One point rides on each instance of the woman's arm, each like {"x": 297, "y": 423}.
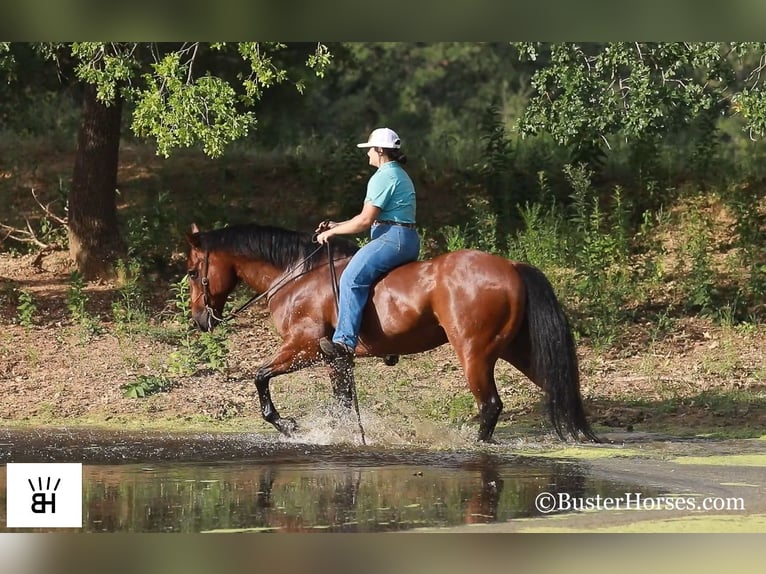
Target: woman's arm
{"x": 360, "y": 222}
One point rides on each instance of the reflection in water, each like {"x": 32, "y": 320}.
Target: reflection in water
{"x": 138, "y": 482}
{"x": 319, "y": 496}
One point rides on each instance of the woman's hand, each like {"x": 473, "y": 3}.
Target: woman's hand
{"x": 324, "y": 237}
{"x": 324, "y": 226}
{"x": 323, "y": 231}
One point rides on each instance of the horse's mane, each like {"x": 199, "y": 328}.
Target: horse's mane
{"x": 281, "y": 247}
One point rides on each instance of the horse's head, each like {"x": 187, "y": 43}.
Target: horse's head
{"x": 211, "y": 279}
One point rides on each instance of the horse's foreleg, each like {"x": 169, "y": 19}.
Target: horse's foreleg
{"x": 269, "y": 412}
{"x": 284, "y": 361}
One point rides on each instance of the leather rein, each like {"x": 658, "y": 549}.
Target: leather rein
{"x": 206, "y": 297}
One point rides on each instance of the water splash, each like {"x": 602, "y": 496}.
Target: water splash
{"x": 335, "y": 425}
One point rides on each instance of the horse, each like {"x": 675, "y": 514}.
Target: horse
{"x": 486, "y": 306}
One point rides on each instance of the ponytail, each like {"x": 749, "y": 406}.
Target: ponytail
{"x": 395, "y": 155}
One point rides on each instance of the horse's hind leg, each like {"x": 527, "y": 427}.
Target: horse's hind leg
{"x": 480, "y": 374}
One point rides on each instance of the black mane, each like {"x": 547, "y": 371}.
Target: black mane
{"x": 282, "y": 247}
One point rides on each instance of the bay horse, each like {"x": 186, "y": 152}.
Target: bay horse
{"x": 487, "y": 307}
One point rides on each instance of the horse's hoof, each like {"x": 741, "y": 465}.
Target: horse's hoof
{"x": 346, "y": 402}
{"x": 391, "y": 360}
{"x": 287, "y": 426}
{"x": 485, "y": 438}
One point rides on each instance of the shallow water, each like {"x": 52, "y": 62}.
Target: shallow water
{"x": 154, "y": 482}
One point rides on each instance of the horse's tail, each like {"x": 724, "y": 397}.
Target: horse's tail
{"x": 553, "y": 355}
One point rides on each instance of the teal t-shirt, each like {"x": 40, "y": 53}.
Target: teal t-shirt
{"x": 392, "y": 190}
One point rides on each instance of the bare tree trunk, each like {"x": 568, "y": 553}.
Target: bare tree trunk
{"x": 94, "y": 238}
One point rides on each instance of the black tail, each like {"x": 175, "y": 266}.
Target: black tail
{"x": 553, "y": 356}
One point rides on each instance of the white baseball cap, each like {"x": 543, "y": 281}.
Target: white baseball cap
{"x": 382, "y": 137}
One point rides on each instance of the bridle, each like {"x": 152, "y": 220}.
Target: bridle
{"x": 281, "y": 282}
{"x": 206, "y": 297}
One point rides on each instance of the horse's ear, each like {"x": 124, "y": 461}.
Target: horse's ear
{"x": 192, "y": 238}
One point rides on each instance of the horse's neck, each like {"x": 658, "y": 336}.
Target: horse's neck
{"x": 259, "y": 275}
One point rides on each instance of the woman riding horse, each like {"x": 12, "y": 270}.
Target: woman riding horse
{"x": 389, "y": 211}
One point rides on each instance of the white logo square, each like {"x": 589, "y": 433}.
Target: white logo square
{"x": 44, "y": 495}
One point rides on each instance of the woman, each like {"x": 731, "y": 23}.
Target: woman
{"x": 389, "y": 212}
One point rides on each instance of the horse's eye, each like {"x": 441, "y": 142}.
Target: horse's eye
{"x": 193, "y": 274}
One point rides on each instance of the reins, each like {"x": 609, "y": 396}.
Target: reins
{"x": 336, "y": 298}
{"x": 255, "y": 298}
{"x": 349, "y": 373}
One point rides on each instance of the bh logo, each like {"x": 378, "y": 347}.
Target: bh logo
{"x": 39, "y": 501}
{"x": 44, "y": 495}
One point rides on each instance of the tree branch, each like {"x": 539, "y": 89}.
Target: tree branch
{"x": 28, "y": 235}
{"x": 22, "y": 235}
{"x": 47, "y": 211}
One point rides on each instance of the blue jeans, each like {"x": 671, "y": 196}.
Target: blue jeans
{"x": 391, "y": 246}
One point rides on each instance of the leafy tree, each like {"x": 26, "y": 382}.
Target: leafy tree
{"x": 434, "y": 93}
{"x": 585, "y": 94}
{"x": 179, "y": 95}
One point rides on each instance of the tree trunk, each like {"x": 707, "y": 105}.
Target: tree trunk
{"x": 94, "y": 238}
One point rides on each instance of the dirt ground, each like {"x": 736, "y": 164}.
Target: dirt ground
{"x": 699, "y": 379}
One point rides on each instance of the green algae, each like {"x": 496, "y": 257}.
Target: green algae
{"x": 724, "y": 460}
{"x": 687, "y": 524}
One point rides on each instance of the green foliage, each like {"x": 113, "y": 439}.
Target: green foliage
{"x": 52, "y": 233}
{"x": 584, "y": 251}
{"x": 587, "y": 92}
{"x": 26, "y": 309}
{"x": 602, "y": 282}
{"x": 181, "y": 301}
{"x": 129, "y": 310}
{"x": 497, "y": 162}
{"x": 541, "y": 241}
{"x": 479, "y": 233}
{"x": 649, "y": 250}
{"x": 442, "y": 91}
{"x": 108, "y": 66}
{"x": 698, "y": 278}
{"x": 146, "y": 234}
{"x": 455, "y": 237}
{"x": 751, "y": 103}
{"x": 749, "y": 223}
{"x": 6, "y": 57}
{"x": 210, "y": 349}
{"x": 186, "y": 94}
{"x": 76, "y": 301}
{"x": 178, "y": 113}
{"x": 483, "y": 231}
{"x": 705, "y": 156}
{"x": 145, "y": 385}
